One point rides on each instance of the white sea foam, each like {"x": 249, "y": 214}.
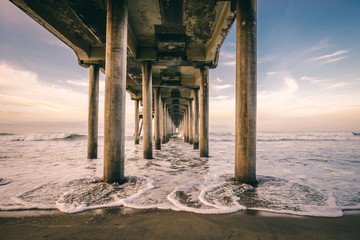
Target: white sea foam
{"x": 309, "y": 177}
{"x": 46, "y": 137}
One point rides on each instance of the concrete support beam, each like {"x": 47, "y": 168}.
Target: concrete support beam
{"x": 196, "y": 119}
{"x": 147, "y": 108}
{"x": 245, "y": 114}
{"x": 157, "y": 125}
{"x": 204, "y": 111}
{"x": 137, "y": 132}
{"x": 93, "y": 112}
{"x": 115, "y": 90}
{"x": 191, "y": 122}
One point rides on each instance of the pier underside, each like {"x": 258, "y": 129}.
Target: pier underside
{"x": 165, "y": 46}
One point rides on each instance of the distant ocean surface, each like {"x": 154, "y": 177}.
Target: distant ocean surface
{"x": 302, "y": 173}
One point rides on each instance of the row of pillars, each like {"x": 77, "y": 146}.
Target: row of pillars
{"x": 197, "y": 111}
{"x": 163, "y": 124}
{"x": 115, "y": 101}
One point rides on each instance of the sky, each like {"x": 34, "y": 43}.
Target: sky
{"x": 308, "y": 73}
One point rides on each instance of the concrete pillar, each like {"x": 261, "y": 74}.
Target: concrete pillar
{"x": 180, "y": 126}
{"x": 163, "y": 130}
{"x": 168, "y": 126}
{"x": 141, "y": 126}
{"x": 157, "y": 124}
{"x": 93, "y": 111}
{"x": 186, "y": 126}
{"x": 191, "y": 122}
{"x": 204, "y": 111}
{"x": 147, "y": 108}
{"x": 115, "y": 90}
{"x": 245, "y": 114}
{"x": 136, "y": 122}
{"x": 196, "y": 119}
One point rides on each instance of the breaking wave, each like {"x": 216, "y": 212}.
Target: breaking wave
{"x": 48, "y": 137}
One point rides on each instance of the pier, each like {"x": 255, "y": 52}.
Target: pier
{"x": 161, "y": 53}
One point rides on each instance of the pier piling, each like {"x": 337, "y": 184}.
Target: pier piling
{"x": 191, "y": 122}
{"x": 115, "y": 90}
{"x": 196, "y": 119}
{"x": 245, "y": 115}
{"x": 204, "y": 111}
{"x": 93, "y": 111}
{"x": 147, "y": 108}
{"x": 157, "y": 127}
{"x": 136, "y": 135}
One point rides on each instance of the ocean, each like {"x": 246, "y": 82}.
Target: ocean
{"x": 300, "y": 173}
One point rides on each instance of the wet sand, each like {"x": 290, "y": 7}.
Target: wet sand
{"x": 125, "y": 223}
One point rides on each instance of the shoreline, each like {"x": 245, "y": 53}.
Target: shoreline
{"x": 128, "y": 223}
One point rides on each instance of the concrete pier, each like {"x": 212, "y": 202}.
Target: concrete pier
{"x": 147, "y": 108}
{"x": 191, "y": 122}
{"x": 93, "y": 111}
{"x": 115, "y": 90}
{"x": 196, "y": 119}
{"x": 137, "y": 130}
{"x": 245, "y": 115}
{"x": 157, "y": 122}
{"x": 141, "y": 45}
{"x": 204, "y": 111}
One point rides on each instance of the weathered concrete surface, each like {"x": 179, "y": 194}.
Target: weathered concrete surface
{"x": 157, "y": 120}
{"x": 163, "y": 122}
{"x": 136, "y": 130}
{"x": 191, "y": 122}
{"x": 147, "y": 109}
{"x": 204, "y": 111}
{"x": 115, "y": 91}
{"x": 93, "y": 113}
{"x": 196, "y": 119}
{"x": 245, "y": 114}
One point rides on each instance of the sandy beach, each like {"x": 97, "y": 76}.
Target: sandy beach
{"x": 125, "y": 223}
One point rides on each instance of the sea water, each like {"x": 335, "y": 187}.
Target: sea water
{"x": 302, "y": 173}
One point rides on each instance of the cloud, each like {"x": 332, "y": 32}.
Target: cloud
{"x": 278, "y": 102}
{"x": 78, "y": 83}
{"x": 227, "y": 55}
{"x": 227, "y": 58}
{"x": 338, "y": 85}
{"x": 271, "y": 74}
{"x": 23, "y": 92}
{"x": 292, "y": 85}
{"x": 334, "y": 60}
{"x": 220, "y": 87}
{"x": 219, "y": 98}
{"x": 328, "y": 58}
{"x": 231, "y": 44}
{"x": 219, "y": 79}
{"x": 265, "y": 59}
{"x": 290, "y": 103}
{"x": 228, "y": 64}
{"x": 322, "y": 44}
{"x": 311, "y": 79}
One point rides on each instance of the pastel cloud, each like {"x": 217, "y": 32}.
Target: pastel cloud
{"x": 225, "y": 86}
{"x": 22, "y": 91}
